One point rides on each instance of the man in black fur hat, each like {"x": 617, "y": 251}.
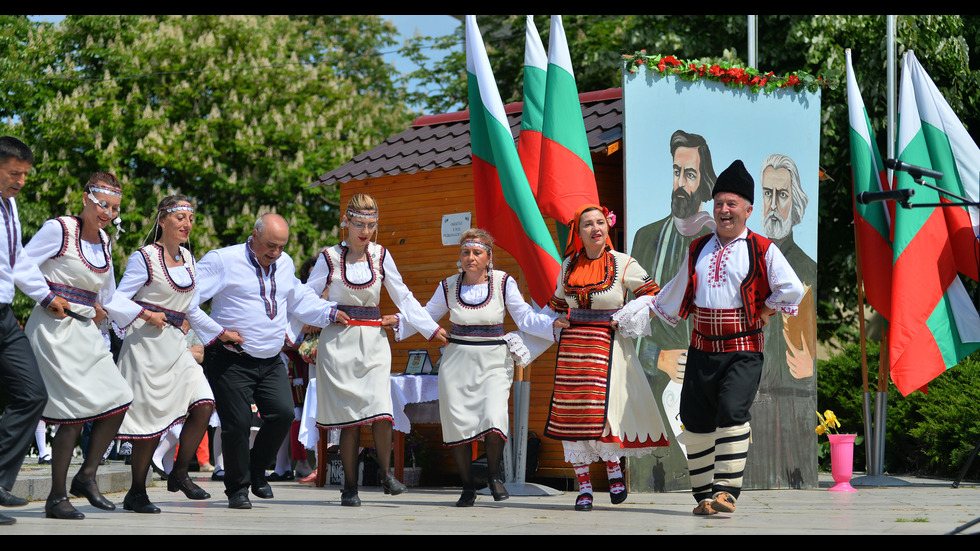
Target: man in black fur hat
{"x": 732, "y": 281}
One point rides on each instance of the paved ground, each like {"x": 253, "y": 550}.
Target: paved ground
{"x": 920, "y": 507}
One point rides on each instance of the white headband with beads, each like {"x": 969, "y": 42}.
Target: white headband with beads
{"x": 479, "y": 244}
{"x": 176, "y": 208}
{"x": 106, "y": 191}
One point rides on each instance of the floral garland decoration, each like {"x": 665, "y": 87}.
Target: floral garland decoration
{"x": 726, "y": 73}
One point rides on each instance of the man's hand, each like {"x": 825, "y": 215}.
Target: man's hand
{"x": 673, "y": 363}
{"x": 231, "y": 336}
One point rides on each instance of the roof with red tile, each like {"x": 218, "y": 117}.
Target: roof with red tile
{"x": 441, "y": 141}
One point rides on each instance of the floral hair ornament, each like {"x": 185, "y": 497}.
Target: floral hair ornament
{"x": 610, "y": 215}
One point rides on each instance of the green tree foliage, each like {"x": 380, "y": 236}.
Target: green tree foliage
{"x": 787, "y": 43}
{"x": 239, "y": 112}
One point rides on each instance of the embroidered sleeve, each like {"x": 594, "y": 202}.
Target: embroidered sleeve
{"x": 786, "y": 289}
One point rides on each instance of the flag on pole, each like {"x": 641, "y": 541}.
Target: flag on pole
{"x": 532, "y": 117}
{"x": 505, "y": 205}
{"x": 953, "y": 152}
{"x": 566, "y": 179}
{"x": 933, "y": 321}
{"x": 872, "y": 222}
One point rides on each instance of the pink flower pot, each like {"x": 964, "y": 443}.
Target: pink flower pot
{"x": 842, "y": 461}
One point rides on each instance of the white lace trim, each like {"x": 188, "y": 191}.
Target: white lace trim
{"x": 633, "y": 318}
{"x": 518, "y": 351}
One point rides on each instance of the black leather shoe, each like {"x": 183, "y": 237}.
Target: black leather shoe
{"x": 158, "y": 469}
{"x": 498, "y": 490}
{"x": 348, "y": 498}
{"x": 239, "y": 500}
{"x": 583, "y": 502}
{"x": 90, "y": 490}
{"x": 218, "y": 475}
{"x": 61, "y": 508}
{"x": 8, "y": 499}
{"x": 6, "y": 521}
{"x": 392, "y": 486}
{"x": 284, "y": 477}
{"x": 618, "y": 497}
{"x": 139, "y": 503}
{"x": 191, "y": 490}
{"x": 261, "y": 488}
{"x": 467, "y": 498}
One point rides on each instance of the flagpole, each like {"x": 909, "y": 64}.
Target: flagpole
{"x": 866, "y": 397}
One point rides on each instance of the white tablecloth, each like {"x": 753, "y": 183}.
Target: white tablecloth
{"x": 405, "y": 389}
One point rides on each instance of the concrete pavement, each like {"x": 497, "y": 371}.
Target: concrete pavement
{"x": 923, "y": 507}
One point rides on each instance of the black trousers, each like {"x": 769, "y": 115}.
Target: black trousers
{"x": 718, "y": 389}
{"x": 26, "y": 393}
{"x": 238, "y": 381}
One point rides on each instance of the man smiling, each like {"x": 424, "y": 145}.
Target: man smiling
{"x": 732, "y": 281}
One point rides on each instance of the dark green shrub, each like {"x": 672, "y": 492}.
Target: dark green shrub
{"x": 928, "y": 434}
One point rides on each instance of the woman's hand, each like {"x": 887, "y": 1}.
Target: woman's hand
{"x": 389, "y": 320}
{"x": 441, "y": 336}
{"x": 100, "y": 313}
{"x": 156, "y": 319}
{"x": 562, "y": 323}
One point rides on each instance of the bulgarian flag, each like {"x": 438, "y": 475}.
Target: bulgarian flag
{"x": 566, "y": 179}
{"x": 505, "y": 205}
{"x": 933, "y": 321}
{"x": 872, "y": 222}
{"x": 532, "y": 117}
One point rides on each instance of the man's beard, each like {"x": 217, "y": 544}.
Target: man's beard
{"x": 775, "y": 226}
{"x": 684, "y": 204}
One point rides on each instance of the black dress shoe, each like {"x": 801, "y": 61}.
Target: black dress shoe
{"x": 498, "y": 490}
{"x": 6, "y": 521}
{"x": 61, "y": 508}
{"x": 139, "y": 503}
{"x": 218, "y": 475}
{"x": 191, "y": 490}
{"x": 8, "y": 499}
{"x": 276, "y": 477}
{"x": 467, "y": 498}
{"x": 392, "y": 486}
{"x": 158, "y": 470}
{"x": 239, "y": 500}
{"x": 583, "y": 502}
{"x": 348, "y": 498}
{"x": 618, "y": 497}
{"x": 90, "y": 490}
{"x": 261, "y": 488}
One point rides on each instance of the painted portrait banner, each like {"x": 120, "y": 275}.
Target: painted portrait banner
{"x": 679, "y": 135}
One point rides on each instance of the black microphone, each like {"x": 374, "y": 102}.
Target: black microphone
{"x": 868, "y": 197}
{"x": 913, "y": 170}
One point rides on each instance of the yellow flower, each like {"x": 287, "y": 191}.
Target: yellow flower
{"x": 828, "y": 422}
{"x": 831, "y": 419}
{"x": 820, "y": 430}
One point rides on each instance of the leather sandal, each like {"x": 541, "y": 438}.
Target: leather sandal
{"x": 583, "y": 502}
{"x": 723, "y": 502}
{"x": 704, "y": 508}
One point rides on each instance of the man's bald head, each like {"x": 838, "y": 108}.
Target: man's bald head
{"x": 269, "y": 238}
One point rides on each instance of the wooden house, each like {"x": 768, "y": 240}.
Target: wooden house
{"x": 424, "y": 173}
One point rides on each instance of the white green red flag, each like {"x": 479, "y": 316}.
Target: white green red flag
{"x": 532, "y": 117}
{"x": 505, "y": 205}
{"x": 873, "y": 221}
{"x": 933, "y": 321}
{"x": 566, "y": 179}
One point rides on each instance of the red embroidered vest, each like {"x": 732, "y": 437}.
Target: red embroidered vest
{"x": 755, "y": 287}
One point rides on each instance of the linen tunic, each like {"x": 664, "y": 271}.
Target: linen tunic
{"x": 75, "y": 362}
{"x": 354, "y": 361}
{"x": 166, "y": 380}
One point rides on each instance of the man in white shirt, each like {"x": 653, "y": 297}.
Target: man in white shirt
{"x": 732, "y": 281}
{"x": 18, "y": 367}
{"x": 253, "y": 288}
